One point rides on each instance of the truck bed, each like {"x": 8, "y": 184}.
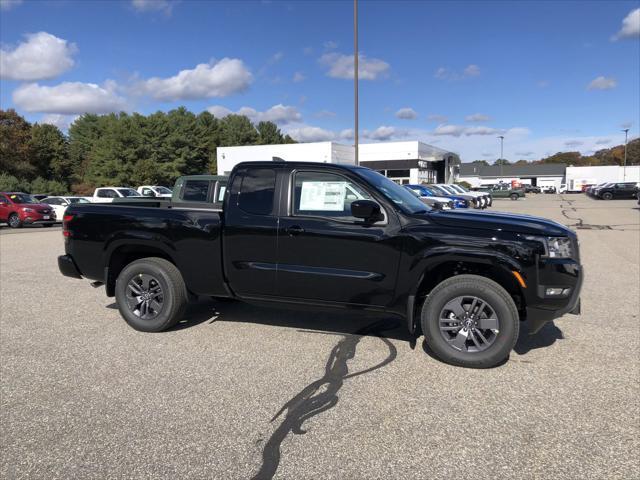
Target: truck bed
{"x": 188, "y": 234}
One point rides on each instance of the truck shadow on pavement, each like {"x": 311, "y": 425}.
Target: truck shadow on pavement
{"x": 322, "y": 394}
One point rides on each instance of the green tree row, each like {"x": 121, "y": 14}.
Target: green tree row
{"x": 606, "y": 156}
{"x": 120, "y": 149}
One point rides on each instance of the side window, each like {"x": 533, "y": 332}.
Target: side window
{"x": 107, "y": 193}
{"x": 53, "y": 201}
{"x": 102, "y": 194}
{"x": 325, "y": 195}
{"x": 147, "y": 191}
{"x": 257, "y": 190}
{"x": 196, "y": 191}
{"x": 4, "y": 200}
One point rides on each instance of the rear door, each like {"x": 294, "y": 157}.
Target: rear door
{"x": 326, "y": 254}
{"x": 251, "y": 232}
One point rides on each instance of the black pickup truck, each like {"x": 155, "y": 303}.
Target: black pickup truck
{"x": 332, "y": 236}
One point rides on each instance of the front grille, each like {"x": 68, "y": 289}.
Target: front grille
{"x": 44, "y": 211}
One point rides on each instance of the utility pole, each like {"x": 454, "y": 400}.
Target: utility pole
{"x": 355, "y": 76}
{"x": 624, "y": 165}
{"x": 501, "y": 137}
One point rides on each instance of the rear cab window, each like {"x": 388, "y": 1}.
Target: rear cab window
{"x": 196, "y": 191}
{"x": 256, "y": 191}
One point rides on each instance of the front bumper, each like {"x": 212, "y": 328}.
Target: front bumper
{"x": 68, "y": 267}
{"x": 541, "y": 310}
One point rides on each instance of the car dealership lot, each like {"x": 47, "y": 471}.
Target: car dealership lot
{"x": 84, "y": 395}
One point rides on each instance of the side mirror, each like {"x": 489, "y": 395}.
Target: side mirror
{"x": 367, "y": 210}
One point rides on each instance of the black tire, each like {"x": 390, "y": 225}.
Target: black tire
{"x": 607, "y": 196}
{"x": 173, "y": 293}
{"x": 47, "y": 225}
{"x": 495, "y": 297}
{"x": 514, "y": 196}
{"x": 14, "y": 221}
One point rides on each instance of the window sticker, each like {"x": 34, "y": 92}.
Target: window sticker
{"x": 322, "y": 196}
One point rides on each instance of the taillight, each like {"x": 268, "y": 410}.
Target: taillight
{"x": 65, "y": 225}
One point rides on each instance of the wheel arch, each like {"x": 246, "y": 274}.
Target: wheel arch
{"x": 498, "y": 269}
{"x": 122, "y": 253}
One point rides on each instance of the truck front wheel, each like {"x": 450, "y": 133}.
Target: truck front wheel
{"x": 514, "y": 196}
{"x": 151, "y": 294}
{"x": 470, "y": 321}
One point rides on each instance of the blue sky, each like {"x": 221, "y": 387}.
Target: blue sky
{"x": 549, "y": 76}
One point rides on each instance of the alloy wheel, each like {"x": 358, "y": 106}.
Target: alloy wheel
{"x": 145, "y": 298}
{"x": 469, "y": 324}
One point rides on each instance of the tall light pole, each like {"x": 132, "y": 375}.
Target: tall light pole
{"x": 624, "y": 165}
{"x": 355, "y": 76}
{"x": 501, "y": 137}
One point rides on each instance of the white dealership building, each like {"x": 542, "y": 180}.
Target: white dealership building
{"x": 403, "y": 162}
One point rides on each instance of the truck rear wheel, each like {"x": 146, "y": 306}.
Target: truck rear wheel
{"x": 470, "y": 321}
{"x": 514, "y": 196}
{"x": 151, "y": 294}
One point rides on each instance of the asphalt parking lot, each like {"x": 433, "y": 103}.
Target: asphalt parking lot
{"x": 238, "y": 391}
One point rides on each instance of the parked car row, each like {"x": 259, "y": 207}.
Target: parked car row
{"x": 18, "y": 208}
{"x": 449, "y": 196}
{"x": 503, "y": 190}
{"x": 614, "y": 190}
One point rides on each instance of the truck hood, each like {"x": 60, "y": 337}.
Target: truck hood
{"x": 508, "y": 222}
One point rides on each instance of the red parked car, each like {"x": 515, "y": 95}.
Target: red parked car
{"x": 18, "y": 209}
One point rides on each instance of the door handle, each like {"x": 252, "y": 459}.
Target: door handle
{"x": 295, "y": 230}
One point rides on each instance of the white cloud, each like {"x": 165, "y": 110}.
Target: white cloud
{"x": 221, "y": 79}
{"x": 63, "y": 122}
{"x": 325, "y": 114}
{"x": 341, "y": 66}
{"x": 330, "y": 45}
{"x": 603, "y": 141}
{"x": 477, "y": 117}
{"x": 630, "y": 26}
{"x": 602, "y": 83}
{"x": 626, "y": 124}
{"x": 443, "y": 73}
{"x": 69, "y": 98}
{"x": 307, "y": 133}
{"x": 525, "y": 154}
{"x": 458, "y": 130}
{"x": 471, "y": 71}
{"x": 482, "y": 131}
{"x": 280, "y": 114}
{"x": 164, "y": 6}
{"x": 573, "y": 143}
{"x": 406, "y": 114}
{"x": 381, "y": 133}
{"x": 42, "y": 56}
{"x": 298, "y": 77}
{"x": 347, "y": 134}
{"x": 452, "y": 130}
{"x": 437, "y": 118}
{"x": 276, "y": 57}
{"x": 9, "y": 4}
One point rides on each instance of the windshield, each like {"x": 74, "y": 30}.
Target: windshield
{"x": 448, "y": 189}
{"x": 438, "y": 190}
{"x": 128, "y": 192}
{"x": 77, "y": 200}
{"x": 459, "y": 188}
{"x": 164, "y": 190}
{"x": 405, "y": 200}
{"x": 22, "y": 198}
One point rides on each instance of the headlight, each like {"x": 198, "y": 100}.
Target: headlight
{"x": 559, "y": 247}
{"x": 554, "y": 247}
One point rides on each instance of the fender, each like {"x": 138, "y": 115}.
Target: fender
{"x": 431, "y": 259}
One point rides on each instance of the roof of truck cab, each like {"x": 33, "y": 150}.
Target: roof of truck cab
{"x": 272, "y": 163}
{"x": 203, "y": 177}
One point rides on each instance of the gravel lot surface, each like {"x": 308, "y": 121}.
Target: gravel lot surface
{"x": 239, "y": 391}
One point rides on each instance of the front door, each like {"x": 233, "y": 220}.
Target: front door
{"x": 325, "y": 253}
{"x": 4, "y": 208}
